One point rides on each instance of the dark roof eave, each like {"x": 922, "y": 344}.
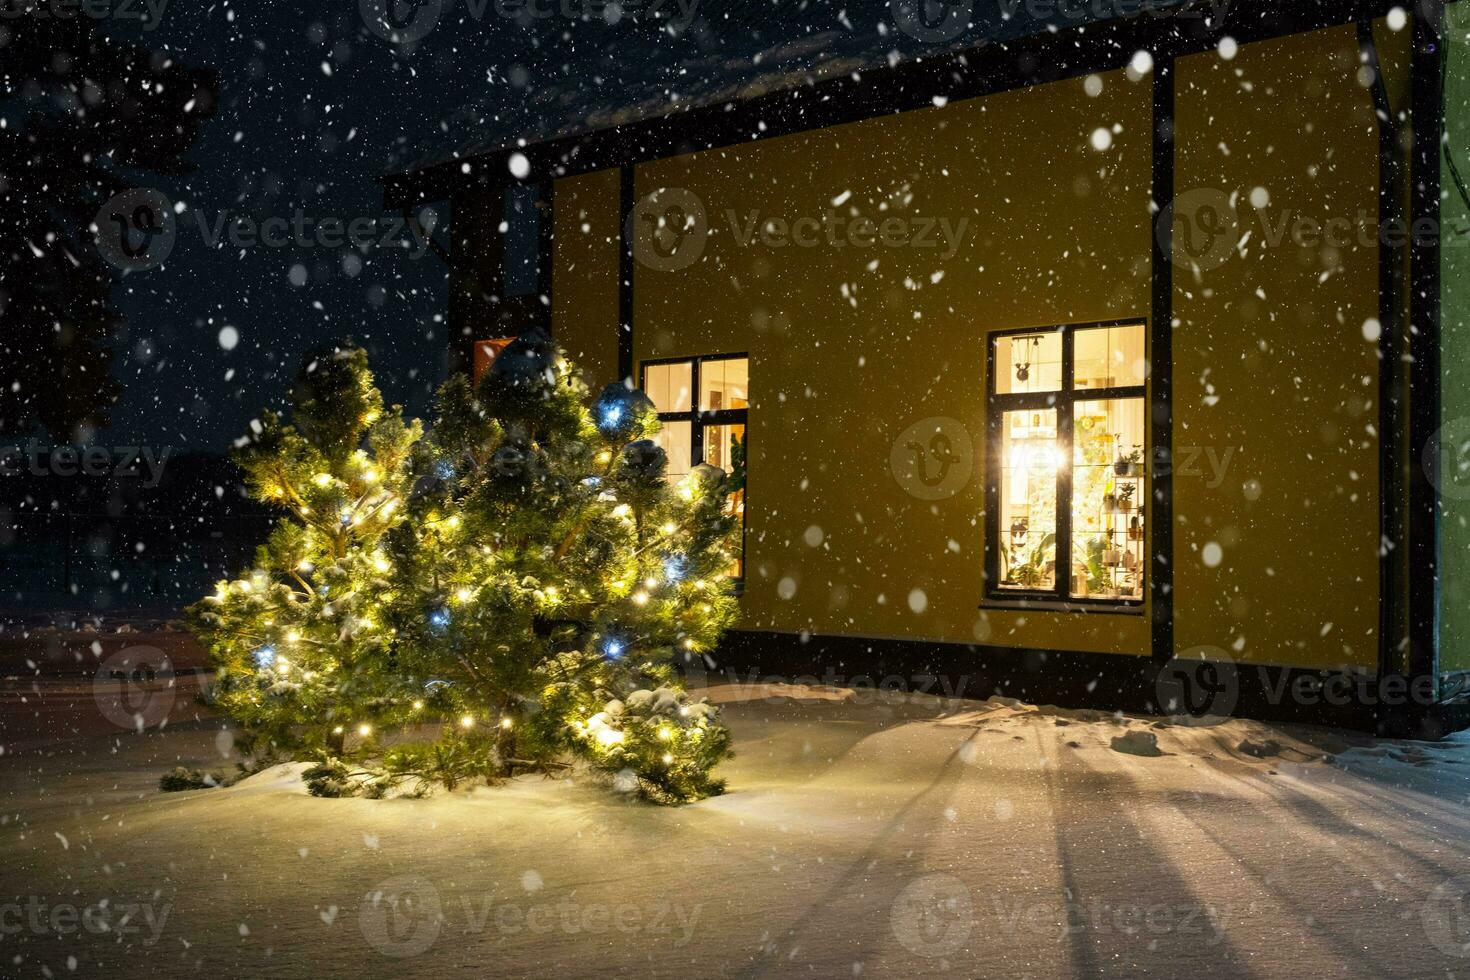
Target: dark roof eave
{"x": 974, "y": 71}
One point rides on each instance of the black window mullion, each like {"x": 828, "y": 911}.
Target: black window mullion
{"x": 696, "y": 435}
{"x": 1066, "y": 414}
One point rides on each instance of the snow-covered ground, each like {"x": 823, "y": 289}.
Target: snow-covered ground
{"x": 864, "y": 834}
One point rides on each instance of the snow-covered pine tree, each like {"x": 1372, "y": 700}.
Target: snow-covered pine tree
{"x": 512, "y": 592}
{"x": 299, "y": 644}
{"x": 551, "y": 575}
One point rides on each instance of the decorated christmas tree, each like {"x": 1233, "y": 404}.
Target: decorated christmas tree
{"x": 299, "y": 643}
{"x": 511, "y": 593}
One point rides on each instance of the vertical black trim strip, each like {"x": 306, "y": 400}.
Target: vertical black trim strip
{"x": 1161, "y": 364}
{"x": 696, "y": 415}
{"x": 546, "y": 246}
{"x": 1391, "y": 396}
{"x": 993, "y": 474}
{"x": 626, "y": 203}
{"x": 1066, "y": 416}
{"x": 1424, "y": 322}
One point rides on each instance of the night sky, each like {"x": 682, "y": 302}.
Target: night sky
{"x": 313, "y": 107}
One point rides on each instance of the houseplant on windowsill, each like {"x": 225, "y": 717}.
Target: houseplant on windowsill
{"x": 1029, "y": 574}
{"x": 1127, "y": 465}
{"x": 1125, "y": 497}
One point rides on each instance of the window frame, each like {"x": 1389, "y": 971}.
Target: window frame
{"x": 698, "y": 419}
{"x": 1064, "y": 401}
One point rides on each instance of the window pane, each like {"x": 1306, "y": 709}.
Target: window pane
{"x": 1028, "y": 363}
{"x": 724, "y": 446}
{"x": 522, "y": 240}
{"x": 1108, "y": 499}
{"x": 724, "y": 384}
{"x": 1110, "y": 357}
{"x": 1029, "y": 457}
{"x": 676, "y": 438}
{"x": 668, "y": 385}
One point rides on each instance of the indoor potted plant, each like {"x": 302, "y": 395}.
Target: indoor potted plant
{"x": 1127, "y": 465}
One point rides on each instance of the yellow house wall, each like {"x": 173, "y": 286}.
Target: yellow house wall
{"x": 845, "y": 355}
{"x": 851, "y": 346}
{"x": 584, "y": 277}
{"x": 1271, "y": 362}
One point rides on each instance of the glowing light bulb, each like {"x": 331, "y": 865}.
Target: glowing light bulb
{"x": 668, "y": 758}
{"x": 467, "y": 721}
{"x": 505, "y": 723}
{"x": 337, "y": 730}
{"x": 464, "y": 595}
{"x": 453, "y": 521}
{"x": 370, "y": 475}
{"x": 381, "y": 563}
{"x": 364, "y": 730}
{"x": 651, "y": 583}
{"x": 669, "y": 528}
{"x": 418, "y": 706}
{"x": 292, "y": 636}
{"x": 639, "y": 598}
{"x": 322, "y": 479}
{"x": 610, "y": 416}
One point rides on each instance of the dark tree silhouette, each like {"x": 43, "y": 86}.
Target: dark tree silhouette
{"x": 84, "y": 118}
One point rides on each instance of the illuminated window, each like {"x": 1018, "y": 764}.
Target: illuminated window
{"x": 702, "y": 403}
{"x": 1067, "y": 485}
